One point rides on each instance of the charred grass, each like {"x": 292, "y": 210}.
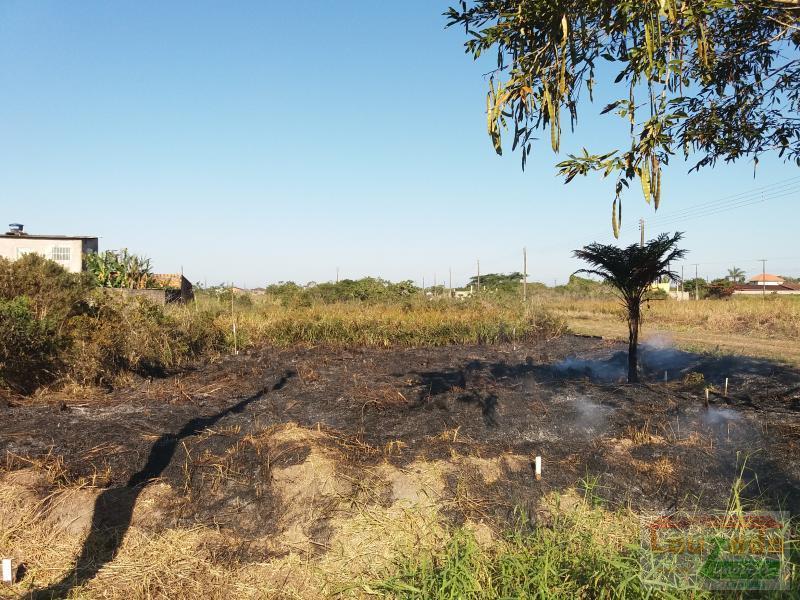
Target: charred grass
{"x": 402, "y": 472}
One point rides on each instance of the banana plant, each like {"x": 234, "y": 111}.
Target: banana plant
{"x": 119, "y": 269}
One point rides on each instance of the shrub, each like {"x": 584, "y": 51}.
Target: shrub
{"x": 720, "y": 288}
{"x": 117, "y": 336}
{"x": 223, "y": 296}
{"x": 697, "y": 286}
{"x": 53, "y": 293}
{"x": 28, "y": 347}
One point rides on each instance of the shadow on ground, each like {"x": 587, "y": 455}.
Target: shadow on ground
{"x": 114, "y": 507}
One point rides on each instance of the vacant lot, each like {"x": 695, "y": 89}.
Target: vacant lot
{"x": 310, "y": 472}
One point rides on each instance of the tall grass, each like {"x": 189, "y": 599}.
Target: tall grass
{"x": 422, "y": 323}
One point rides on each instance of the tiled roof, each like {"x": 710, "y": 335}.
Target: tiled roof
{"x": 767, "y": 277}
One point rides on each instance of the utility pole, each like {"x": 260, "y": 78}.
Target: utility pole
{"x": 641, "y": 232}
{"x": 763, "y": 277}
{"x": 682, "y": 286}
{"x": 233, "y": 321}
{"x": 337, "y": 274}
{"x": 524, "y": 274}
{"x": 450, "y": 280}
{"x": 696, "y": 287}
{"x": 479, "y": 275}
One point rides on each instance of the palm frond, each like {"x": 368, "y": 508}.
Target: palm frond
{"x": 632, "y": 270}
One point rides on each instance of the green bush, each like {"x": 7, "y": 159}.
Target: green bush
{"x": 223, "y": 296}
{"x": 200, "y": 334}
{"x": 56, "y": 327}
{"x": 53, "y": 293}
{"x": 697, "y": 286}
{"x": 117, "y": 336}
{"x": 720, "y": 288}
{"x": 366, "y": 289}
{"x": 583, "y": 287}
{"x": 28, "y": 347}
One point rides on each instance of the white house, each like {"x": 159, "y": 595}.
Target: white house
{"x": 766, "y": 283}
{"x": 66, "y": 250}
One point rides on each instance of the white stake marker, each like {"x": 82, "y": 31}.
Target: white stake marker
{"x": 538, "y": 467}
{"x": 6, "y": 571}
{"x": 726, "y": 387}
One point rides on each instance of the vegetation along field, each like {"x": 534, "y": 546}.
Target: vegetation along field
{"x": 363, "y": 439}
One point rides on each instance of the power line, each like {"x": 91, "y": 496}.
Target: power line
{"x": 734, "y": 198}
{"x": 712, "y": 208}
{"x": 755, "y": 196}
{"x": 713, "y": 211}
{"x": 700, "y": 211}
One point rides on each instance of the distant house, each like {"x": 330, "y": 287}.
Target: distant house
{"x": 666, "y": 287}
{"x": 766, "y": 279}
{"x": 766, "y": 283}
{"x": 66, "y": 250}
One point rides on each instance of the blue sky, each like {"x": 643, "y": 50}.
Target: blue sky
{"x": 261, "y": 141}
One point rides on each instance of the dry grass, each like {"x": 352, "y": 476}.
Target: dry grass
{"x": 643, "y": 435}
{"x": 367, "y": 532}
{"x": 388, "y": 532}
{"x": 773, "y": 317}
{"x": 740, "y": 325}
{"x": 383, "y": 325}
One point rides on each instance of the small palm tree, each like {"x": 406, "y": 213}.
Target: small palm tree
{"x": 736, "y": 275}
{"x": 631, "y": 272}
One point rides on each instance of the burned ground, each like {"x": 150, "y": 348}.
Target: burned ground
{"x": 276, "y": 449}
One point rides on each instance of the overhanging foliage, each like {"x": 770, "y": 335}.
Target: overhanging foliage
{"x": 717, "y": 79}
